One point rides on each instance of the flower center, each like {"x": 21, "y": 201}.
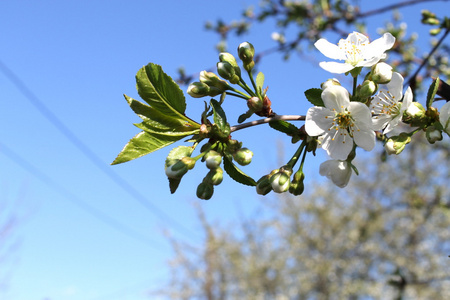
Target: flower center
{"x": 386, "y": 104}
{"x": 352, "y": 51}
{"x": 343, "y": 120}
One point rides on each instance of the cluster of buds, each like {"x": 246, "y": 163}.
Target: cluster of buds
{"x": 205, "y": 189}
{"x": 211, "y": 85}
{"x": 212, "y": 155}
{"x": 430, "y": 18}
{"x": 279, "y": 181}
{"x": 246, "y": 53}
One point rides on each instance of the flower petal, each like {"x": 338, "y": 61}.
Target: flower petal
{"x": 329, "y": 50}
{"x": 395, "y": 86}
{"x": 338, "y": 144}
{"x": 379, "y": 46}
{"x": 392, "y": 124}
{"x": 407, "y": 100}
{"x": 335, "y": 67}
{"x": 318, "y": 120}
{"x": 380, "y": 122}
{"x": 364, "y": 139}
{"x": 369, "y": 62}
{"x": 336, "y": 97}
{"x": 360, "y": 112}
{"x": 337, "y": 171}
{"x": 356, "y": 38}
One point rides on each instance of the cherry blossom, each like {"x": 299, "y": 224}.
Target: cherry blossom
{"x": 340, "y": 123}
{"x": 388, "y": 107}
{"x": 356, "y": 51}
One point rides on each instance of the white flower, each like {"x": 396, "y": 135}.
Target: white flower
{"x": 386, "y": 105}
{"x": 338, "y": 171}
{"x": 340, "y": 122}
{"x": 444, "y": 117}
{"x": 356, "y": 51}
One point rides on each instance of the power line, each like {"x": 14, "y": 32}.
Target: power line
{"x": 55, "y": 121}
{"x": 16, "y": 158}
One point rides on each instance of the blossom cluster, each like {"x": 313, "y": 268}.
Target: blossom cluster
{"x": 378, "y": 105}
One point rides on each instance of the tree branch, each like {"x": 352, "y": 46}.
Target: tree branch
{"x": 393, "y": 6}
{"x": 412, "y": 79}
{"x": 267, "y": 120}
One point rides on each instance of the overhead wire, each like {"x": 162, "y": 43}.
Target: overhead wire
{"x": 26, "y": 165}
{"x": 55, "y": 121}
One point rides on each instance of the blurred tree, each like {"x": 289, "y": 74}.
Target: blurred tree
{"x": 298, "y": 24}
{"x": 383, "y": 237}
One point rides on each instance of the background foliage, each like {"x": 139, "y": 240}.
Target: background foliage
{"x": 383, "y": 237}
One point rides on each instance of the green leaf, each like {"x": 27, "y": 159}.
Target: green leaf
{"x": 177, "y": 131}
{"x": 160, "y": 91}
{"x": 236, "y": 174}
{"x": 314, "y": 96}
{"x": 432, "y": 92}
{"x": 178, "y": 153}
{"x": 155, "y": 118}
{"x": 143, "y": 143}
{"x": 220, "y": 119}
{"x": 260, "y": 81}
{"x": 285, "y": 127}
{"x": 173, "y": 184}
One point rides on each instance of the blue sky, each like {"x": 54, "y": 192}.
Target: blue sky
{"x": 78, "y": 58}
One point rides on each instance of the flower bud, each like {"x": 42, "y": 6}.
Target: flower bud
{"x": 329, "y": 82}
{"x": 435, "y": 31}
{"x": 213, "y": 159}
{"x": 297, "y": 186}
{"x": 198, "y": 90}
{"x": 189, "y": 162}
{"x": 444, "y": 117}
{"x": 214, "y": 176}
{"x": 243, "y": 156}
{"x": 255, "y": 104}
{"x": 381, "y": 73}
{"x": 263, "y": 185}
{"x": 431, "y": 21}
{"x": 396, "y": 144}
{"x": 205, "y": 191}
{"x": 427, "y": 14}
{"x": 246, "y": 52}
{"x": 367, "y": 89}
{"x": 176, "y": 169}
{"x": 415, "y": 114}
{"x": 212, "y": 80}
{"x": 280, "y": 182}
{"x": 433, "y": 135}
{"x": 229, "y": 58}
{"x": 226, "y": 71}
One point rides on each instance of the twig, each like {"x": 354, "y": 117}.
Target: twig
{"x": 393, "y": 6}
{"x": 412, "y": 79}
{"x": 267, "y": 120}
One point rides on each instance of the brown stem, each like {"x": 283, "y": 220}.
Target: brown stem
{"x": 393, "y": 6}
{"x": 412, "y": 79}
{"x": 267, "y": 120}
